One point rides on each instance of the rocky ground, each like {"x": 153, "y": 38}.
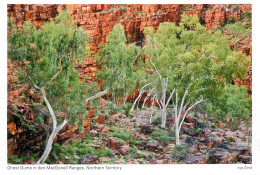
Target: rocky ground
{"x": 122, "y": 139}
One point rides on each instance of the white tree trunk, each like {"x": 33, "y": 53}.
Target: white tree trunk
{"x": 139, "y": 96}
{"x": 49, "y": 143}
{"x": 177, "y": 133}
{"x": 55, "y": 129}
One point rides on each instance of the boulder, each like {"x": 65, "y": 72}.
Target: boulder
{"x": 152, "y": 145}
{"x": 220, "y": 156}
{"x": 195, "y": 159}
{"x": 147, "y": 129}
{"x": 112, "y": 143}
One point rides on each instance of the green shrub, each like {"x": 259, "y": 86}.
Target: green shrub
{"x": 231, "y": 20}
{"x": 124, "y": 136}
{"x": 213, "y": 126}
{"x": 157, "y": 120}
{"x": 164, "y": 138}
{"x": 248, "y": 15}
{"x": 179, "y": 151}
{"x": 123, "y": 7}
{"x": 39, "y": 120}
{"x": 142, "y": 155}
{"x": 132, "y": 142}
{"x": 109, "y": 162}
{"x": 236, "y": 7}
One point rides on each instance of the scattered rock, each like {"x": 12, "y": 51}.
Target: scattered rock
{"x": 219, "y": 155}
{"x": 98, "y": 127}
{"x": 135, "y": 136}
{"x": 94, "y": 132}
{"x": 245, "y": 159}
{"x": 104, "y": 159}
{"x": 189, "y": 141}
{"x": 153, "y": 161}
{"x": 100, "y": 119}
{"x": 147, "y": 129}
{"x": 225, "y": 146}
{"x": 195, "y": 159}
{"x": 115, "y": 151}
{"x": 119, "y": 115}
{"x": 152, "y": 145}
{"x": 104, "y": 135}
{"x": 124, "y": 149}
{"x": 89, "y": 159}
{"x": 112, "y": 143}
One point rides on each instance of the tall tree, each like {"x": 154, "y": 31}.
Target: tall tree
{"x": 117, "y": 62}
{"x": 46, "y": 60}
{"x": 188, "y": 65}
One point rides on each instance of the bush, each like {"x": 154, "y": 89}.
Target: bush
{"x": 164, "y": 138}
{"x": 213, "y": 126}
{"x": 123, "y": 8}
{"x": 124, "y": 136}
{"x": 157, "y": 120}
{"x": 179, "y": 152}
{"x": 248, "y": 15}
{"x": 231, "y": 20}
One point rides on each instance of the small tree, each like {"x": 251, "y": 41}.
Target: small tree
{"x": 117, "y": 62}
{"x": 234, "y": 104}
{"x": 187, "y": 66}
{"x": 46, "y": 63}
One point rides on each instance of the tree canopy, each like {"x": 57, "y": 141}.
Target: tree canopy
{"x": 46, "y": 58}
{"x": 117, "y": 62}
{"x": 189, "y": 65}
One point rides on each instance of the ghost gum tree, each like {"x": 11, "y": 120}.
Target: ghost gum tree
{"x": 188, "y": 65}
{"x": 46, "y": 60}
{"x": 116, "y": 60}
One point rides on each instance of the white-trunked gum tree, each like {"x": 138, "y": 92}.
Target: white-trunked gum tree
{"x": 188, "y": 65}
{"x": 46, "y": 58}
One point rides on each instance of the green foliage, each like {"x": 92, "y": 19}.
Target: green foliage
{"x": 235, "y": 104}
{"x": 179, "y": 151}
{"x": 235, "y": 7}
{"x": 39, "y": 120}
{"x": 123, "y": 7}
{"x": 142, "y": 155}
{"x": 121, "y": 135}
{"x": 132, "y": 142}
{"x": 248, "y": 15}
{"x": 164, "y": 138}
{"x": 130, "y": 17}
{"x": 20, "y": 160}
{"x": 117, "y": 60}
{"x": 127, "y": 108}
{"x": 213, "y": 126}
{"x": 79, "y": 149}
{"x": 157, "y": 120}
{"x": 129, "y": 38}
{"x": 161, "y": 135}
{"x": 139, "y": 12}
{"x": 238, "y": 31}
{"x": 231, "y": 20}
{"x": 46, "y": 57}
{"x": 191, "y": 59}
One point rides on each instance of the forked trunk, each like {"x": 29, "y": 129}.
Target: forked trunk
{"x": 49, "y": 143}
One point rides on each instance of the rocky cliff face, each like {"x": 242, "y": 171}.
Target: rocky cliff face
{"x": 98, "y": 21}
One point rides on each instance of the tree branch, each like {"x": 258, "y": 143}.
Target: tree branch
{"x": 99, "y": 94}
{"x": 191, "y": 107}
